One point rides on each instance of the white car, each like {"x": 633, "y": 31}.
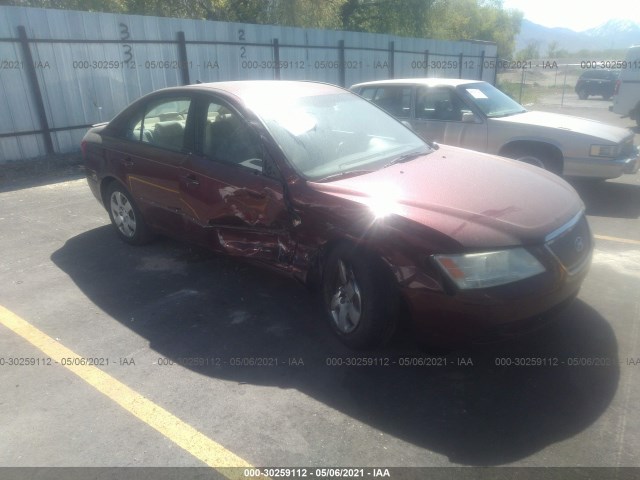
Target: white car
{"x": 478, "y": 116}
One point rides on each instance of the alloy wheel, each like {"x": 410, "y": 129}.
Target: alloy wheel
{"x": 346, "y": 301}
{"x": 123, "y": 215}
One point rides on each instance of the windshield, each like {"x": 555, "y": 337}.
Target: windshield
{"x": 490, "y": 100}
{"x": 330, "y": 135}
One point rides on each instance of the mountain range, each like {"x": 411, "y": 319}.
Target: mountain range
{"x": 614, "y": 34}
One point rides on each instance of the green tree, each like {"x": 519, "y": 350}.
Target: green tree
{"x": 397, "y": 17}
{"x": 116, "y": 6}
{"x": 476, "y": 20}
{"x": 305, "y": 13}
{"x": 245, "y": 11}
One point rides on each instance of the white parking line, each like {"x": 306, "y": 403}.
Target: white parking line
{"x": 184, "y": 435}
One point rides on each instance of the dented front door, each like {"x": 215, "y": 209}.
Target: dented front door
{"x": 239, "y": 212}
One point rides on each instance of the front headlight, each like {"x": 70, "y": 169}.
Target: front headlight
{"x": 489, "y": 269}
{"x": 610, "y": 151}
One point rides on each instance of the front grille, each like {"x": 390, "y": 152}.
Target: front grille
{"x": 572, "y": 245}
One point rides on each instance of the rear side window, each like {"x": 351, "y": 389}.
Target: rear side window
{"x": 161, "y": 124}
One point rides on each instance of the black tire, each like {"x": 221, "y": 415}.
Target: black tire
{"x": 606, "y": 97}
{"x": 125, "y": 216}
{"x": 583, "y": 94}
{"x": 359, "y": 300}
{"x": 536, "y": 155}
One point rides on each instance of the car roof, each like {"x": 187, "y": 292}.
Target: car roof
{"x": 430, "y": 82}
{"x": 250, "y": 88}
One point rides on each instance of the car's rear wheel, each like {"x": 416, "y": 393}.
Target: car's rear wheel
{"x": 359, "y": 301}
{"x": 125, "y": 216}
{"x": 583, "y": 94}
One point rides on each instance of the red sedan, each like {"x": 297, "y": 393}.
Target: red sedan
{"x": 316, "y": 182}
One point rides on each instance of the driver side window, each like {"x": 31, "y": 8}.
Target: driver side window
{"x": 227, "y": 138}
{"x": 438, "y": 104}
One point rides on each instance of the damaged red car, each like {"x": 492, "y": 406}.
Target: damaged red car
{"x": 316, "y": 182}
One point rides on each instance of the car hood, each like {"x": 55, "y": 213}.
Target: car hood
{"x": 476, "y": 199}
{"x": 567, "y": 123}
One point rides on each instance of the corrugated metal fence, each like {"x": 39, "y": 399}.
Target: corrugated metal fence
{"x": 61, "y": 71}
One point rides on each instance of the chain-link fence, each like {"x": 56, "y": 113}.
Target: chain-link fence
{"x": 550, "y": 82}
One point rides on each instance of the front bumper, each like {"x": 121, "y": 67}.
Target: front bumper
{"x": 453, "y": 315}
{"x": 602, "y": 167}
{"x": 493, "y": 313}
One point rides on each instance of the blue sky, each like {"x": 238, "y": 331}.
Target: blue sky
{"x": 577, "y": 15}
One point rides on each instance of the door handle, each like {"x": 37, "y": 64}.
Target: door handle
{"x": 191, "y": 180}
{"x": 127, "y": 162}
{"x": 256, "y": 195}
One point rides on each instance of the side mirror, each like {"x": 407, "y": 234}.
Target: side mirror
{"x": 469, "y": 117}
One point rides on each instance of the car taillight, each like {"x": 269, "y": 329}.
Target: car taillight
{"x": 83, "y": 149}
{"x": 617, "y": 87}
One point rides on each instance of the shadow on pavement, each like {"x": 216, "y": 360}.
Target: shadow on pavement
{"x": 35, "y": 174}
{"x": 609, "y": 199}
{"x": 189, "y": 303}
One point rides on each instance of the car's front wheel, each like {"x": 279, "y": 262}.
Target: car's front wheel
{"x": 583, "y": 94}
{"x": 125, "y": 216}
{"x": 539, "y": 155}
{"x": 359, "y": 301}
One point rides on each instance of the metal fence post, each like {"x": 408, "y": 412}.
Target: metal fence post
{"x": 35, "y": 89}
{"x": 392, "y": 48}
{"x": 460, "y": 66}
{"x": 481, "y": 65}
{"x": 276, "y": 58}
{"x": 183, "y": 59}
{"x": 426, "y": 63}
{"x": 341, "y": 66}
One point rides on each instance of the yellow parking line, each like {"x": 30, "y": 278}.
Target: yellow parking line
{"x": 182, "y": 434}
{"x": 617, "y": 239}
